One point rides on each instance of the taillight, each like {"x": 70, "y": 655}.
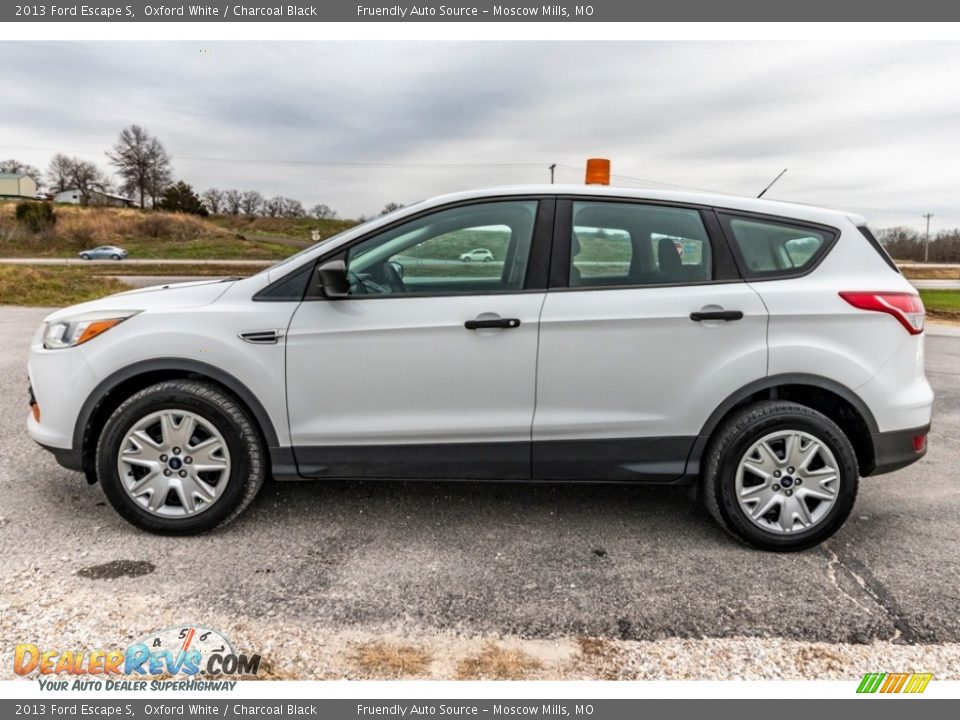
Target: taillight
{"x": 904, "y": 306}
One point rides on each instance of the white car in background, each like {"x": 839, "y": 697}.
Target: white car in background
{"x": 770, "y": 366}
{"x": 477, "y": 255}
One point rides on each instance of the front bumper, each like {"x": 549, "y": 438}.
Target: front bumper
{"x": 896, "y": 449}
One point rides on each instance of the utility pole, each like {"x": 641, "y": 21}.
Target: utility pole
{"x": 926, "y": 245}
{"x": 552, "y": 168}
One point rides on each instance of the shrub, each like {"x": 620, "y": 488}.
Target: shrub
{"x": 38, "y": 217}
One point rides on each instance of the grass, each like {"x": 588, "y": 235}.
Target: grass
{"x": 497, "y": 663}
{"x": 929, "y": 273}
{"x": 143, "y": 234}
{"x": 205, "y": 248}
{"x": 385, "y": 660}
{"x": 293, "y": 228}
{"x": 943, "y": 304}
{"x": 160, "y": 268}
{"x": 55, "y": 287}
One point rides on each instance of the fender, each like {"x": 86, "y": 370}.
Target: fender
{"x": 181, "y": 365}
{"x": 693, "y": 461}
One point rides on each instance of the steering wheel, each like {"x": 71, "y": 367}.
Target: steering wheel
{"x": 392, "y": 274}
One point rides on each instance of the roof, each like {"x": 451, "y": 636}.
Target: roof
{"x": 798, "y": 211}
{"x": 13, "y": 176}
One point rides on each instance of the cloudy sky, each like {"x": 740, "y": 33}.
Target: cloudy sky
{"x": 871, "y": 127}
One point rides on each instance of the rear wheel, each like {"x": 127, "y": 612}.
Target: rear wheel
{"x": 780, "y": 476}
{"x": 180, "y": 457}
{"x": 84, "y": 256}
{"x": 115, "y": 256}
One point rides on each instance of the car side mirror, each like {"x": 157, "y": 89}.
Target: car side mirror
{"x": 333, "y": 279}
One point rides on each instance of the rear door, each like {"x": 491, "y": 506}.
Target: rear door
{"x": 646, "y": 329}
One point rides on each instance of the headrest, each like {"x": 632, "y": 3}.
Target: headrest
{"x": 668, "y": 256}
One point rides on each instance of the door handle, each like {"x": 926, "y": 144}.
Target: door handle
{"x": 725, "y": 315}
{"x": 485, "y": 324}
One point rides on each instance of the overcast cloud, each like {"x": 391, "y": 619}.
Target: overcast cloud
{"x": 873, "y": 128}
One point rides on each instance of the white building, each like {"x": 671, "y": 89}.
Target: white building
{"x": 73, "y": 196}
{"x": 17, "y": 186}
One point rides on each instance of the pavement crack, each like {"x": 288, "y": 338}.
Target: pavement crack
{"x": 834, "y": 562}
{"x": 903, "y": 631}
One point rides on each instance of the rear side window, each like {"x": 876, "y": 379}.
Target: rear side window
{"x": 630, "y": 244}
{"x": 770, "y": 248}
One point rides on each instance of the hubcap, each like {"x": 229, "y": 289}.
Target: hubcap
{"x": 787, "y": 481}
{"x": 174, "y": 463}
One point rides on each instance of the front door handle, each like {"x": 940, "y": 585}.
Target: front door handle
{"x": 725, "y": 315}
{"x": 487, "y": 323}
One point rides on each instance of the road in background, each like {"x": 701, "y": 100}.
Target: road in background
{"x": 128, "y": 261}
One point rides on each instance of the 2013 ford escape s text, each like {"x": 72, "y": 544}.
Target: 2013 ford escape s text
{"x": 767, "y": 353}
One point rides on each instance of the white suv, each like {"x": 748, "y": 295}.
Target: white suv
{"x": 766, "y": 354}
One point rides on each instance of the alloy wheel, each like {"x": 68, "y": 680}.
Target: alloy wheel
{"x": 174, "y": 463}
{"x": 787, "y": 481}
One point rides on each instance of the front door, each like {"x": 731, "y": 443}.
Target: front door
{"x": 428, "y": 368}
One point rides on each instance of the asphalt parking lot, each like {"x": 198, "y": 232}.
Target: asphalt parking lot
{"x": 539, "y": 562}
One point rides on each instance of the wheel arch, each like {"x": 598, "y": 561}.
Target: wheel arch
{"x": 117, "y": 387}
{"x": 836, "y": 401}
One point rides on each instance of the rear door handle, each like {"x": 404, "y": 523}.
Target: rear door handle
{"x": 504, "y": 323}
{"x": 725, "y": 315}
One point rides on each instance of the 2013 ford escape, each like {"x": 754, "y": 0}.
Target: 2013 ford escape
{"x": 768, "y": 354}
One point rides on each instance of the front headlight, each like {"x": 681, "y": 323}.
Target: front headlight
{"x": 78, "y": 329}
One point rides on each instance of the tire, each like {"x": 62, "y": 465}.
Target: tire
{"x": 487, "y": 259}
{"x": 776, "y": 422}
{"x": 84, "y": 256}
{"x": 114, "y": 257}
{"x": 212, "y": 408}
{"x": 466, "y": 259}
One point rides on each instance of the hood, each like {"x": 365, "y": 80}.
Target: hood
{"x": 166, "y": 297}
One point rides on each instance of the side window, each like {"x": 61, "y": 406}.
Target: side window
{"x": 618, "y": 243}
{"x": 770, "y": 248}
{"x": 464, "y": 250}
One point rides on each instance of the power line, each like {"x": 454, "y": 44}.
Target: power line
{"x": 325, "y": 163}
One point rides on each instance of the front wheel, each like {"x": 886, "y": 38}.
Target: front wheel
{"x": 780, "y": 476}
{"x": 180, "y": 457}
{"x": 84, "y": 256}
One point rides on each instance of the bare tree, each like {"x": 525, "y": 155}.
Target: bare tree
{"x": 159, "y": 180}
{"x": 293, "y": 208}
{"x": 273, "y": 207}
{"x": 902, "y": 243}
{"x": 232, "y": 200}
{"x": 58, "y": 175}
{"x": 213, "y": 199}
{"x": 390, "y": 207}
{"x": 15, "y": 167}
{"x": 322, "y": 211}
{"x": 88, "y": 180}
{"x": 250, "y": 202}
{"x": 142, "y": 163}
